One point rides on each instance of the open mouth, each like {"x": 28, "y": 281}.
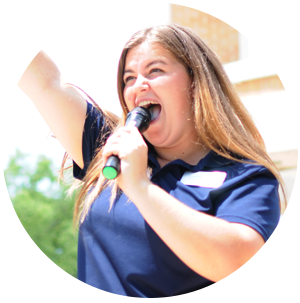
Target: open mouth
{"x": 154, "y": 109}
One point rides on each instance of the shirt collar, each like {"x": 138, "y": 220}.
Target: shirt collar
{"x": 211, "y": 160}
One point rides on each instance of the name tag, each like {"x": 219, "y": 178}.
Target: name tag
{"x": 209, "y": 179}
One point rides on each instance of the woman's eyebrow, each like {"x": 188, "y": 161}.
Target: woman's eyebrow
{"x": 156, "y": 62}
{"x": 147, "y": 66}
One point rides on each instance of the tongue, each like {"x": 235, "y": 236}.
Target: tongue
{"x": 154, "y": 111}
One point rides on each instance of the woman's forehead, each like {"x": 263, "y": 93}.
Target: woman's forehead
{"x": 147, "y": 51}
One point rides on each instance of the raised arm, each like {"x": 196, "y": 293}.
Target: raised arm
{"x": 60, "y": 104}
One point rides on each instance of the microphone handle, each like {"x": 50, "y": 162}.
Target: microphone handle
{"x": 140, "y": 118}
{"x": 112, "y": 167}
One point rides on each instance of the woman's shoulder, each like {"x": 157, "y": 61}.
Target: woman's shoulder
{"x": 240, "y": 167}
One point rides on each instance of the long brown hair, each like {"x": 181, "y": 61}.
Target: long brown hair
{"x": 221, "y": 120}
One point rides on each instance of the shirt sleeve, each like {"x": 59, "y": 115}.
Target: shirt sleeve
{"x": 254, "y": 201}
{"x": 95, "y": 133}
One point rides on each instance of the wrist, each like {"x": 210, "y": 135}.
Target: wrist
{"x": 139, "y": 191}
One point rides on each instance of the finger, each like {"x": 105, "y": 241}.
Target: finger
{"x": 127, "y": 129}
{"x": 117, "y": 135}
{"x": 121, "y": 142}
{"x": 115, "y": 143}
{"x": 134, "y": 131}
{"x": 130, "y": 130}
{"x": 111, "y": 149}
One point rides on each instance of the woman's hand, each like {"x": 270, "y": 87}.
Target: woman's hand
{"x": 60, "y": 104}
{"x": 128, "y": 144}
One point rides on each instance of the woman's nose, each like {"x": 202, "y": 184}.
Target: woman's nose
{"x": 141, "y": 84}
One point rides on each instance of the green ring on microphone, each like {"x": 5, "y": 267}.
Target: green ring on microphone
{"x": 109, "y": 172}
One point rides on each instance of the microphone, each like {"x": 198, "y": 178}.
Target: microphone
{"x": 139, "y": 117}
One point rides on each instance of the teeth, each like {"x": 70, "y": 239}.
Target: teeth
{"x": 146, "y": 103}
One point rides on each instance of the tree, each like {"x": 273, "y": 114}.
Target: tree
{"x": 274, "y": 281}
{"x": 43, "y": 208}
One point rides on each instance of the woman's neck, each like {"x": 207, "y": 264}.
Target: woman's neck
{"x": 191, "y": 154}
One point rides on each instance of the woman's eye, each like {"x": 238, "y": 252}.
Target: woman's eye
{"x": 154, "y": 70}
{"x": 128, "y": 79}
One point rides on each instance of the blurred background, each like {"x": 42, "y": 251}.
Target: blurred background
{"x": 87, "y": 52}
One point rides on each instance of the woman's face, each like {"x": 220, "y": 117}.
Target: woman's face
{"x": 153, "y": 75}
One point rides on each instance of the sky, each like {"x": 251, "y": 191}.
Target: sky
{"x": 85, "y": 40}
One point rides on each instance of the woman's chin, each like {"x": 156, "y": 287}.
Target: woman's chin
{"x": 156, "y": 139}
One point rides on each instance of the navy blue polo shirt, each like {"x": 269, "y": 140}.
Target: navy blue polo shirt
{"x": 120, "y": 253}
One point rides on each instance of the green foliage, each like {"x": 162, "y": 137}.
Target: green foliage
{"x": 274, "y": 282}
{"x": 42, "y": 206}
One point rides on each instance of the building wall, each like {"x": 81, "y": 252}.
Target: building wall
{"x": 258, "y": 86}
{"x": 256, "y": 82}
{"x": 219, "y": 36}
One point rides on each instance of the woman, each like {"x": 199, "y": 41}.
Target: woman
{"x": 203, "y": 192}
